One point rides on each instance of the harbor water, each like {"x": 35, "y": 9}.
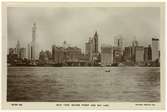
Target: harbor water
{"x": 83, "y": 84}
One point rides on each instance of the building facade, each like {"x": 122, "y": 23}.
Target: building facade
{"x": 45, "y": 57}
{"x": 18, "y": 49}
{"x": 33, "y": 43}
{"x": 58, "y": 55}
{"x": 29, "y": 52}
{"x": 22, "y": 53}
{"x": 12, "y": 51}
{"x": 117, "y": 55}
{"x": 53, "y": 52}
{"x": 72, "y": 54}
{"x": 134, "y": 45}
{"x": 88, "y": 47}
{"x": 147, "y": 54}
{"x": 127, "y": 54}
{"x": 155, "y": 49}
{"x": 106, "y": 55}
{"x": 139, "y": 57}
{"x": 94, "y": 53}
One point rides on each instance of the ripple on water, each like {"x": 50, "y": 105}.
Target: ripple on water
{"x": 126, "y": 84}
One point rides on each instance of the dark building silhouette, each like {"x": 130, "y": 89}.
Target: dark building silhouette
{"x": 73, "y": 54}
{"x": 33, "y": 43}
{"x": 53, "y": 51}
{"x": 134, "y": 45}
{"x": 127, "y": 54}
{"x": 155, "y": 49}
{"x": 139, "y": 55}
{"x": 106, "y": 55}
{"x": 147, "y": 54}
{"x": 117, "y": 55}
{"x": 88, "y": 47}
{"x": 95, "y": 43}
{"x": 18, "y": 49}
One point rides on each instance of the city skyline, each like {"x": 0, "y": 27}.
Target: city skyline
{"x": 54, "y": 31}
{"x": 67, "y": 55}
{"x": 83, "y": 55}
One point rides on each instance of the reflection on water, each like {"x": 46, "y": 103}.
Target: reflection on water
{"x": 87, "y": 84}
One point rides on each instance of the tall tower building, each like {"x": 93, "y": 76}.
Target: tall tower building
{"x": 23, "y": 53}
{"x": 94, "y": 54}
{"x": 95, "y": 42}
{"x": 149, "y": 53}
{"x": 29, "y": 51}
{"x": 87, "y": 47}
{"x": 155, "y": 49}
{"x": 18, "y": 49}
{"x": 134, "y": 45}
{"x": 106, "y": 55}
{"x": 139, "y": 54}
{"x": 34, "y": 41}
{"x": 53, "y": 52}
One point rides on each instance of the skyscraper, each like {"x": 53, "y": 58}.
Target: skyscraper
{"x": 53, "y": 52}
{"x": 117, "y": 55}
{"x": 118, "y": 49}
{"x": 95, "y": 42}
{"x": 33, "y": 44}
{"x": 127, "y": 54}
{"x": 139, "y": 56}
{"x": 18, "y": 49}
{"x": 29, "y": 51}
{"x": 106, "y": 55}
{"x": 147, "y": 54}
{"x": 87, "y": 47}
{"x": 94, "y": 54}
{"x": 155, "y": 49}
{"x": 134, "y": 45}
{"x": 22, "y": 53}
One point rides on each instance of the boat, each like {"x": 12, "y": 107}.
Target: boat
{"x": 107, "y": 70}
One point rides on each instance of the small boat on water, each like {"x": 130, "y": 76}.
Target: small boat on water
{"x": 107, "y": 70}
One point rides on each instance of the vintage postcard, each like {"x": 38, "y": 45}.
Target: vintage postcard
{"x": 83, "y": 55}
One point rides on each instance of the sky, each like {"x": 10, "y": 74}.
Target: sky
{"x": 76, "y": 24}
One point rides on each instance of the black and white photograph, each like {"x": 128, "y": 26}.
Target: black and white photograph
{"x": 86, "y": 53}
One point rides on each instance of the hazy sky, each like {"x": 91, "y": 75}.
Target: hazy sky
{"x": 76, "y": 25}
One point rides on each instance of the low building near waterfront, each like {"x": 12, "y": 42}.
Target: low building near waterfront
{"x": 12, "y": 56}
{"x": 43, "y": 57}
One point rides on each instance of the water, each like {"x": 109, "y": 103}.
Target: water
{"x": 86, "y": 84}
